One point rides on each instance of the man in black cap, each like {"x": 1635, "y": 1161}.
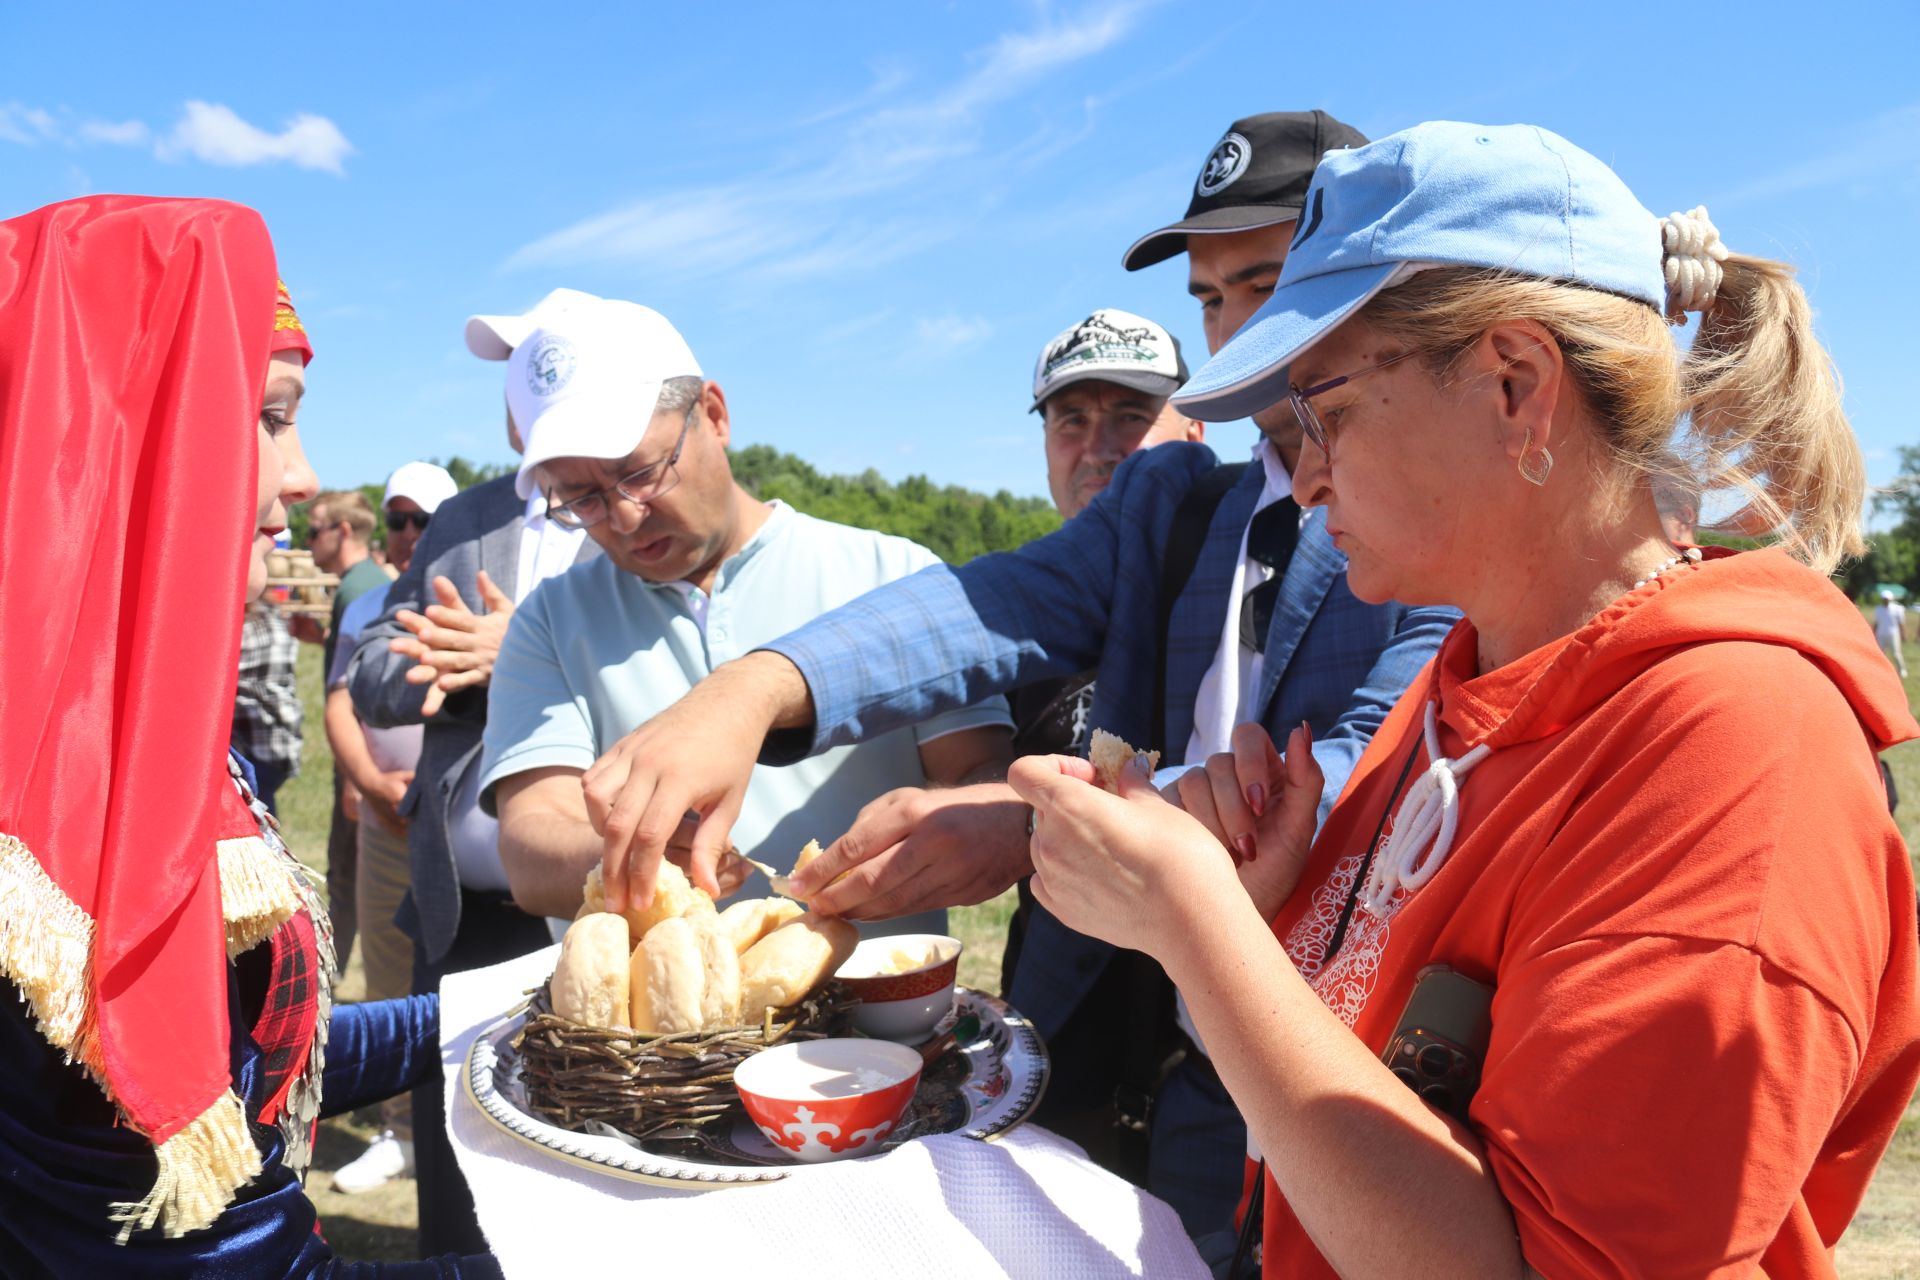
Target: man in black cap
{"x": 1203, "y": 598}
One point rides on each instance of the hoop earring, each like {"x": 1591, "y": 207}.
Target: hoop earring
{"x": 1535, "y": 464}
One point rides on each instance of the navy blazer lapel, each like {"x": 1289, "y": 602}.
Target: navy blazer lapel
{"x": 1310, "y": 575}
{"x": 1201, "y": 611}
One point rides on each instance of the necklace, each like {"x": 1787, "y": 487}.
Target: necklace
{"x": 1690, "y": 556}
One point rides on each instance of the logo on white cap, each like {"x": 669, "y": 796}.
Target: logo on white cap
{"x": 1230, "y": 158}
{"x": 550, "y": 365}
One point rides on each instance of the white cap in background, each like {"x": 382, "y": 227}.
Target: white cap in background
{"x": 426, "y": 484}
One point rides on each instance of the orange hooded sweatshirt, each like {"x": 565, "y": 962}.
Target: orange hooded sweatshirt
{"x": 1677, "y": 872}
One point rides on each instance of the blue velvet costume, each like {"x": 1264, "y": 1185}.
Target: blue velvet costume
{"x": 64, "y": 1159}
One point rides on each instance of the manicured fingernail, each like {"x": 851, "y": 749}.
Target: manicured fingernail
{"x": 1257, "y": 799}
{"x": 1244, "y": 843}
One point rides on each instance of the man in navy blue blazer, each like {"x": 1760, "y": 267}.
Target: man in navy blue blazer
{"x": 1263, "y": 628}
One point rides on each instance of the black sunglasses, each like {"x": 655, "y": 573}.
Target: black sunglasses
{"x": 401, "y": 519}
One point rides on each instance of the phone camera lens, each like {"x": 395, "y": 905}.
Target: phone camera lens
{"x": 1408, "y": 1078}
{"x": 1436, "y": 1062}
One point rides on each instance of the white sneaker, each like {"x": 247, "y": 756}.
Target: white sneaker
{"x": 387, "y": 1158}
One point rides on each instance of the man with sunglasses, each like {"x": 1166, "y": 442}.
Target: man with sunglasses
{"x": 1202, "y": 596}
{"x": 380, "y": 763}
{"x": 428, "y": 661}
{"x": 627, "y": 440}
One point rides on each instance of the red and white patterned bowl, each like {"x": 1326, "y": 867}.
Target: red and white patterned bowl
{"x": 904, "y": 1005}
{"x": 828, "y": 1099}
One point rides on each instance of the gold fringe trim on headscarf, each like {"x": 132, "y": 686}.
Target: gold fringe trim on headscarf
{"x": 47, "y": 950}
{"x": 257, "y": 892}
{"x": 201, "y": 1167}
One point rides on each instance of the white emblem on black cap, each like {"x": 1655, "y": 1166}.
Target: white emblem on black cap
{"x": 1229, "y": 160}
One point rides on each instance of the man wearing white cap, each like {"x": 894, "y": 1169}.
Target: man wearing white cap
{"x": 1101, "y": 389}
{"x": 696, "y": 571}
{"x": 380, "y": 764}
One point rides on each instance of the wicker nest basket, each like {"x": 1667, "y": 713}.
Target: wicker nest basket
{"x": 654, "y": 1086}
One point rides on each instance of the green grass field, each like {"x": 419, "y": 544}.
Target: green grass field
{"x": 1882, "y": 1244}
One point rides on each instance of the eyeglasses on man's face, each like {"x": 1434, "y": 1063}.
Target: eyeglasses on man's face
{"x": 1303, "y": 410}
{"x": 642, "y": 488}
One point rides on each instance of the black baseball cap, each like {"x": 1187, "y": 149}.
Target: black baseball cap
{"x": 1255, "y": 176}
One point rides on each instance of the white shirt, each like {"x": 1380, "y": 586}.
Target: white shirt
{"x": 1889, "y": 619}
{"x": 546, "y": 551}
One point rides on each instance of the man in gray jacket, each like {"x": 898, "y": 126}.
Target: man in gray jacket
{"x": 428, "y": 660}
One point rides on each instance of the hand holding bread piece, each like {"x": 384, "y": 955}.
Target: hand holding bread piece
{"x": 781, "y": 968}
{"x": 1109, "y": 753}
{"x": 673, "y": 895}
{"x": 590, "y": 982}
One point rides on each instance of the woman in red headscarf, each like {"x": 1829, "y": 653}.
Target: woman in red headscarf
{"x": 173, "y": 1042}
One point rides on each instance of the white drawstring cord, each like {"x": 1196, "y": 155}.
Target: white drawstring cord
{"x": 1426, "y": 820}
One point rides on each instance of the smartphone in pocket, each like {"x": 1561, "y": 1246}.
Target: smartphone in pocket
{"x": 1440, "y": 1044}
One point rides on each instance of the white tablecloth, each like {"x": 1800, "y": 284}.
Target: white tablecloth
{"x": 1028, "y": 1205}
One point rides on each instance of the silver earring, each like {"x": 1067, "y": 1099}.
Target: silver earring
{"x": 1535, "y": 464}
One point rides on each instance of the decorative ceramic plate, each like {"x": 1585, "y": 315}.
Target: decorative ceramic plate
{"x": 980, "y": 1089}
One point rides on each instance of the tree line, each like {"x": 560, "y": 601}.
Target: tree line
{"x": 954, "y": 523}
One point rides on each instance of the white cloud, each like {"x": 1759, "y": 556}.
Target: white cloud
{"x": 950, "y": 332}
{"x": 216, "y": 134}
{"x": 207, "y": 131}
{"x": 125, "y": 133}
{"x": 27, "y": 125}
{"x": 818, "y": 216}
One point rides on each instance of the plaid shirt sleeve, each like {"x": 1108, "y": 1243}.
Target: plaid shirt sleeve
{"x": 266, "y": 704}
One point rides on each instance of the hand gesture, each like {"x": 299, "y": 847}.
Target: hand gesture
{"x": 921, "y": 849}
{"x": 1261, "y": 806}
{"x": 453, "y": 646}
{"x": 383, "y": 801}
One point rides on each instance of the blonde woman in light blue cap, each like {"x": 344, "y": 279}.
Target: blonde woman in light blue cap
{"x": 1604, "y": 963}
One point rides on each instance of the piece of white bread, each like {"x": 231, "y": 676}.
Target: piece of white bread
{"x": 720, "y": 970}
{"x": 590, "y": 981}
{"x": 748, "y": 921}
{"x": 1109, "y": 754}
{"x": 783, "y": 885}
{"x": 785, "y": 966}
{"x": 668, "y": 977}
{"x": 673, "y": 895}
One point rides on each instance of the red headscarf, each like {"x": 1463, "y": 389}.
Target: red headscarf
{"x": 134, "y": 340}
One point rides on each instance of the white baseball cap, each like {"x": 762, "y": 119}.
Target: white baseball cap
{"x": 582, "y": 380}
{"x": 426, "y": 484}
{"x": 495, "y": 337}
{"x": 1110, "y": 345}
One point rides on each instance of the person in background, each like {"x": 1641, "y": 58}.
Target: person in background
{"x": 168, "y": 1035}
{"x": 695, "y": 571}
{"x": 266, "y": 703}
{"x": 380, "y": 763}
{"x": 428, "y": 661}
{"x": 1611, "y": 916}
{"x": 1890, "y": 628}
{"x": 340, "y": 525}
{"x": 1100, "y": 388}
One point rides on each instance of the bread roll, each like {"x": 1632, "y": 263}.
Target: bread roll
{"x": 720, "y": 967}
{"x": 590, "y": 983}
{"x": 1109, "y": 754}
{"x": 787, "y": 964}
{"x": 673, "y": 895}
{"x": 668, "y": 976}
{"x": 749, "y": 921}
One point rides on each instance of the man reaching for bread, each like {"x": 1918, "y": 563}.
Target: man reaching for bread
{"x": 696, "y": 571}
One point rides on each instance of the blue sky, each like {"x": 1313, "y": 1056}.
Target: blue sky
{"x": 867, "y": 218}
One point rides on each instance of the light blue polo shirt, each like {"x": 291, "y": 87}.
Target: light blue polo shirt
{"x": 595, "y": 652}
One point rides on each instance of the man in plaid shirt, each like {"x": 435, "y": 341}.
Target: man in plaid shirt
{"x": 266, "y": 706}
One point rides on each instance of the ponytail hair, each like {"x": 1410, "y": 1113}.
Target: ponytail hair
{"x": 1759, "y": 395}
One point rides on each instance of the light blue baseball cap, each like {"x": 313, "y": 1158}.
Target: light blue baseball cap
{"x": 1509, "y": 197}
